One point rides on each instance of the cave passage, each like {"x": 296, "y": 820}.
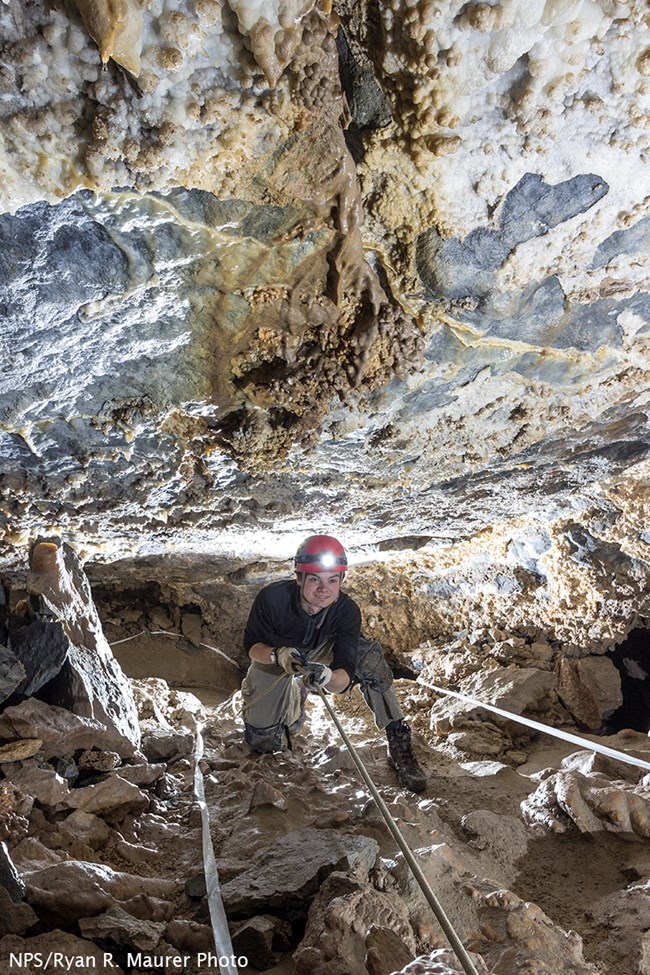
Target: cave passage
{"x": 632, "y": 660}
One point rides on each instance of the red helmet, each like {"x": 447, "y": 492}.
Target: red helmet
{"x": 320, "y": 553}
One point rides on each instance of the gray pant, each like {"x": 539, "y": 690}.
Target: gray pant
{"x": 273, "y": 700}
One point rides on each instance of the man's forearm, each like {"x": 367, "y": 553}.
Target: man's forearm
{"x": 339, "y": 682}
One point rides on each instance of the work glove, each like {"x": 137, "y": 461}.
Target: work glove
{"x": 317, "y": 675}
{"x": 289, "y": 659}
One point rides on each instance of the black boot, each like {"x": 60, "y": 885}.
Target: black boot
{"x": 402, "y": 759}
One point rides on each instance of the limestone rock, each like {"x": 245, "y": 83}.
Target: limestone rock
{"x": 61, "y": 731}
{"x": 88, "y": 828}
{"x": 9, "y": 877}
{"x": 112, "y": 798}
{"x": 42, "y": 648}
{"x": 15, "y": 807}
{"x": 44, "y": 784}
{"x": 190, "y": 936}
{"x": 18, "y": 751}
{"x": 15, "y": 916}
{"x": 504, "y": 836}
{"x": 533, "y": 941}
{"x": 99, "y": 761}
{"x": 338, "y": 923}
{"x": 90, "y": 682}
{"x": 262, "y": 940}
{"x": 386, "y": 952}
{"x": 590, "y": 688}
{"x": 12, "y": 673}
{"x": 142, "y": 774}
{"x": 137, "y": 854}
{"x": 442, "y": 961}
{"x": 292, "y": 870}
{"x": 117, "y": 925}
{"x": 519, "y": 690}
{"x": 265, "y": 795}
{"x": 590, "y": 802}
{"x": 167, "y": 746}
{"x": 68, "y": 891}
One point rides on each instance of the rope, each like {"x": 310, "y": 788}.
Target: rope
{"x": 220, "y": 932}
{"x": 538, "y": 726}
{"x": 435, "y": 905}
{"x": 177, "y": 636}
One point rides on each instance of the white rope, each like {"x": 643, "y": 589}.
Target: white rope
{"x": 450, "y": 933}
{"x": 546, "y": 729}
{"x": 220, "y": 931}
{"x": 176, "y": 636}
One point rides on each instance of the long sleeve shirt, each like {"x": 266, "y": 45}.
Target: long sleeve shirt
{"x": 278, "y": 620}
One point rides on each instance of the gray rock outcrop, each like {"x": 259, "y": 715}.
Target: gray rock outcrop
{"x": 289, "y": 873}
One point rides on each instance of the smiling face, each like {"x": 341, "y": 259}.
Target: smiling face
{"x": 318, "y": 590}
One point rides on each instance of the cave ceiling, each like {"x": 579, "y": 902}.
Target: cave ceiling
{"x": 379, "y": 268}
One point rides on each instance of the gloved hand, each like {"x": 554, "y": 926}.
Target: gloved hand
{"x": 289, "y": 659}
{"x": 318, "y": 674}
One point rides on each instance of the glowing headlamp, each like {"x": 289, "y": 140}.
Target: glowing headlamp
{"x": 327, "y": 560}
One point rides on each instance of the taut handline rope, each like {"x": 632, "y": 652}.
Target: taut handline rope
{"x": 592, "y": 746}
{"x": 220, "y": 931}
{"x": 435, "y": 905}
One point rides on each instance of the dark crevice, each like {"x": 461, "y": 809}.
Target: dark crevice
{"x": 632, "y": 660}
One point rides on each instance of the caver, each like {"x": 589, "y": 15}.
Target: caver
{"x": 308, "y": 624}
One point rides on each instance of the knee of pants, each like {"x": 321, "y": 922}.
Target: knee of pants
{"x": 372, "y": 668}
{"x": 264, "y": 739}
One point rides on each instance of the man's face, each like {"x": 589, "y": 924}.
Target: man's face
{"x": 320, "y": 589}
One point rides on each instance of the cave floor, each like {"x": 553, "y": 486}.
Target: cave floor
{"x": 575, "y": 879}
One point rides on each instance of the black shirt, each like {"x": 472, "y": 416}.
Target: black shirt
{"x": 277, "y": 619}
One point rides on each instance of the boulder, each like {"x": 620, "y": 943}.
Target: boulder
{"x": 142, "y": 774}
{"x": 87, "y": 828}
{"x": 590, "y": 688}
{"x": 18, "y": 751}
{"x": 386, "y": 951}
{"x": 12, "y": 673}
{"x": 15, "y": 915}
{"x": 117, "y": 925}
{"x": 167, "y": 746}
{"x": 340, "y": 917}
{"x": 43, "y": 784}
{"x": 442, "y": 961}
{"x": 591, "y": 802}
{"x": 67, "y": 891}
{"x": 113, "y": 799}
{"x": 61, "y": 731}
{"x": 520, "y": 690}
{"x": 262, "y": 940}
{"x": 289, "y": 873}
{"x": 90, "y": 683}
{"x": 42, "y": 648}
{"x": 190, "y": 937}
{"x": 517, "y": 936}
{"x": 264, "y": 794}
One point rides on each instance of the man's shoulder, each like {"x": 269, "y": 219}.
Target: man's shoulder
{"x": 281, "y": 589}
{"x": 348, "y": 604}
